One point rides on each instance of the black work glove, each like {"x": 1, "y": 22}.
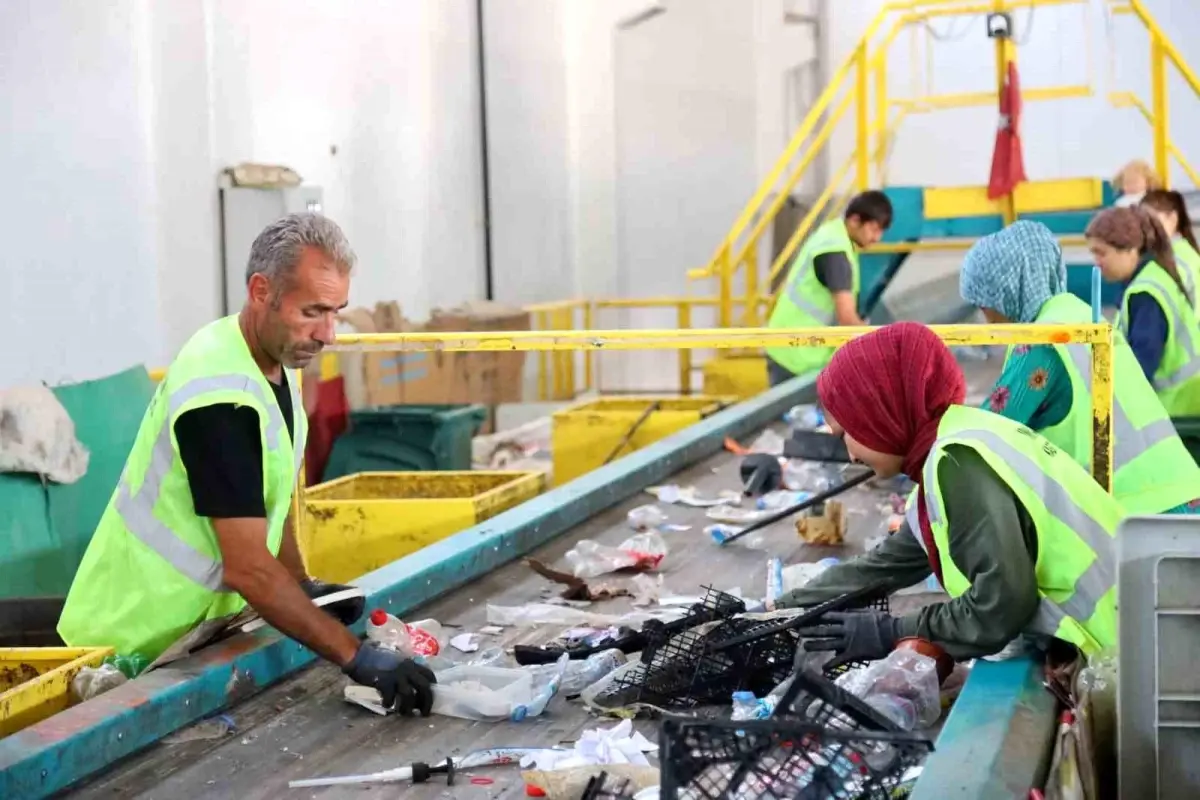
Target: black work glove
{"x": 853, "y": 636}
{"x": 403, "y": 684}
{"x": 347, "y": 611}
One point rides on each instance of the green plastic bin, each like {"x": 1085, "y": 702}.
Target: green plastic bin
{"x": 408, "y": 438}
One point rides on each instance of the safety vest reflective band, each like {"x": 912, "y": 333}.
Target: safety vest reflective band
{"x": 137, "y": 508}
{"x": 1076, "y": 524}
{"x": 1153, "y": 471}
{"x": 806, "y": 303}
{"x": 1177, "y": 379}
{"x": 1188, "y": 261}
{"x": 153, "y": 569}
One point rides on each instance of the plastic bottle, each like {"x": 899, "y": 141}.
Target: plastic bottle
{"x": 427, "y": 636}
{"x": 745, "y": 705}
{"x": 899, "y": 710}
{"x": 388, "y": 631}
{"x": 772, "y": 501}
{"x": 583, "y": 673}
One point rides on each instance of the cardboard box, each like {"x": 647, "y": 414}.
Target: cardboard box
{"x": 376, "y": 378}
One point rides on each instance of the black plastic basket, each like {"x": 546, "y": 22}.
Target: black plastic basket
{"x": 783, "y": 759}
{"x": 705, "y": 664}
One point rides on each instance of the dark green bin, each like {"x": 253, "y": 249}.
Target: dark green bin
{"x": 1189, "y": 430}
{"x": 408, "y": 438}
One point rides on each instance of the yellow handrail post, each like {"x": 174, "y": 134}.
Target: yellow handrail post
{"x": 725, "y": 273}
{"x": 881, "y": 117}
{"x": 1006, "y": 52}
{"x": 750, "y": 311}
{"x": 1158, "y": 102}
{"x": 684, "y": 322}
{"x": 589, "y": 317}
{"x": 543, "y": 387}
{"x": 862, "y": 97}
{"x": 1102, "y": 403}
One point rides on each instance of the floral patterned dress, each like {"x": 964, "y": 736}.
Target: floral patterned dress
{"x": 1035, "y": 389}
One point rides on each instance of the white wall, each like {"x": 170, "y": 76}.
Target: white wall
{"x": 78, "y": 276}
{"x": 1062, "y": 138}
{"x": 119, "y": 116}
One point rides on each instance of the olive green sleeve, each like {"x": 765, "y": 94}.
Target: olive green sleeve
{"x": 993, "y": 543}
{"x": 898, "y": 562}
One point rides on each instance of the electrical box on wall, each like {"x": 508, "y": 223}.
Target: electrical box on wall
{"x": 245, "y": 211}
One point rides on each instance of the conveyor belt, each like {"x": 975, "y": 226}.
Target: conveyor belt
{"x": 303, "y": 728}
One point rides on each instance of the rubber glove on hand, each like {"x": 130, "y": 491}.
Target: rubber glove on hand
{"x": 403, "y": 684}
{"x": 853, "y": 636}
{"x": 347, "y": 611}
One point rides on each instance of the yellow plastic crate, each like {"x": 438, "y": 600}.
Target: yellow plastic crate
{"x": 742, "y": 375}
{"x": 35, "y": 682}
{"x": 583, "y": 436}
{"x": 358, "y": 523}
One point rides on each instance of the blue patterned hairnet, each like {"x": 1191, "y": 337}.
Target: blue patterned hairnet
{"x": 1014, "y": 271}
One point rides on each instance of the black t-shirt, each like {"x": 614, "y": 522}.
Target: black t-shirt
{"x": 834, "y": 271}
{"x": 221, "y": 449}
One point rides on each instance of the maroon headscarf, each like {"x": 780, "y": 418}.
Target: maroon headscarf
{"x": 889, "y": 390}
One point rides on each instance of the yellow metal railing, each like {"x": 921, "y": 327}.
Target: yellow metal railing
{"x": 1099, "y": 336}
{"x": 861, "y": 83}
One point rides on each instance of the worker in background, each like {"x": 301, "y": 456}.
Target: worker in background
{"x": 1157, "y": 316}
{"x": 1132, "y": 182}
{"x": 1018, "y": 275}
{"x": 821, "y": 289}
{"x": 1171, "y": 210}
{"x": 1020, "y": 536}
{"x": 200, "y": 523}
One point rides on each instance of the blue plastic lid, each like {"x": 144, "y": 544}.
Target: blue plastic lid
{"x": 519, "y": 713}
{"x": 745, "y": 697}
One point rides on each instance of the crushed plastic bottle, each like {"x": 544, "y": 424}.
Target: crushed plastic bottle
{"x": 90, "y": 682}
{"x": 580, "y": 674}
{"x": 899, "y": 710}
{"x": 646, "y": 518}
{"x": 744, "y": 706}
{"x": 422, "y": 638}
{"x": 805, "y": 416}
{"x": 773, "y": 501}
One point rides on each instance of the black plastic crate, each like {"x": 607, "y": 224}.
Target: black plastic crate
{"x": 713, "y": 658}
{"x": 783, "y": 759}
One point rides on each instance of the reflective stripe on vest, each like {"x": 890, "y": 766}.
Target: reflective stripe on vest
{"x": 1191, "y": 364}
{"x": 801, "y": 272}
{"x": 1128, "y": 442}
{"x": 914, "y": 520}
{"x": 1096, "y": 580}
{"x": 137, "y": 508}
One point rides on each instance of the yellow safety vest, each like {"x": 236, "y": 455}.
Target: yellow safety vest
{"x": 152, "y": 571}
{"x": 1177, "y": 379}
{"x": 806, "y": 303}
{"x": 1188, "y": 261}
{"x": 1152, "y": 469}
{"x": 1076, "y": 524}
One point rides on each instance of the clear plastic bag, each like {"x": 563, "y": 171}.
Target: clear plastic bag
{"x": 90, "y": 682}
{"x": 904, "y": 677}
{"x": 496, "y": 693}
{"x": 590, "y": 559}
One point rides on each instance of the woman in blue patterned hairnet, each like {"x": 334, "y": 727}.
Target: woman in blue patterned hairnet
{"x": 1018, "y": 275}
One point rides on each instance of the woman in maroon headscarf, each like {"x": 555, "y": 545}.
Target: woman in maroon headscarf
{"x": 1020, "y": 536}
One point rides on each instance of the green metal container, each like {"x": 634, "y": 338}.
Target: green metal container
{"x": 407, "y": 438}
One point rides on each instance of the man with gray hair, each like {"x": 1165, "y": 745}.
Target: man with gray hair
{"x": 200, "y": 525}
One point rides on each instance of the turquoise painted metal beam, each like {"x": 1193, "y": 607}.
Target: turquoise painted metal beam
{"x": 83, "y": 740}
{"x": 998, "y": 739}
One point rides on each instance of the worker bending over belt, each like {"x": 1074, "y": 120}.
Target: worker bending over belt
{"x": 1018, "y": 534}
{"x": 822, "y": 287}
{"x": 1018, "y": 275}
{"x": 1157, "y": 316}
{"x": 200, "y": 523}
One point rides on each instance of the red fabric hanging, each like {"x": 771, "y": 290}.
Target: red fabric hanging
{"x": 1008, "y": 165}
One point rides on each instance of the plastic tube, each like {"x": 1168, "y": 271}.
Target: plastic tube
{"x": 491, "y": 757}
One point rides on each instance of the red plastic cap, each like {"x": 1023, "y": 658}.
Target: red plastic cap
{"x": 533, "y": 791}
{"x": 378, "y": 617}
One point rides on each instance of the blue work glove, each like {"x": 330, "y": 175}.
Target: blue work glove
{"x": 347, "y": 611}
{"x": 403, "y": 684}
{"x": 852, "y": 636}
